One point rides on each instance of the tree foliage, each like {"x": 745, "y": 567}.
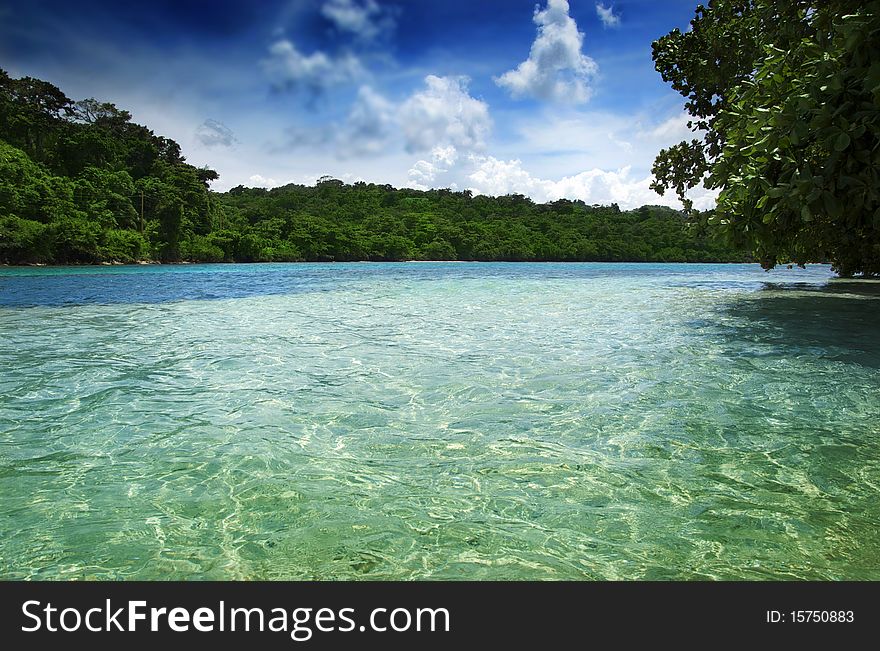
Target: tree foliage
{"x": 785, "y": 100}
{"x": 81, "y": 183}
{"x": 336, "y": 221}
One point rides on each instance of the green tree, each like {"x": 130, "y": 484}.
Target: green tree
{"x": 32, "y": 115}
{"x": 439, "y": 250}
{"x": 23, "y": 241}
{"x": 75, "y": 239}
{"x": 785, "y": 100}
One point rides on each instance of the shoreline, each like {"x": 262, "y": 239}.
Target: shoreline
{"x": 188, "y": 262}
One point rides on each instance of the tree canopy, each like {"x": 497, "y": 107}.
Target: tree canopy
{"x": 365, "y": 221}
{"x": 785, "y": 101}
{"x": 81, "y": 183}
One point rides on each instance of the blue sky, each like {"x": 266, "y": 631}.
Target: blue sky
{"x": 554, "y": 99}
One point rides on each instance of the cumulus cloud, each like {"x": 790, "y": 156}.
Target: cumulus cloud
{"x": 259, "y": 181}
{"x": 607, "y": 15}
{"x": 290, "y": 69}
{"x": 446, "y": 155}
{"x": 499, "y": 177}
{"x": 424, "y": 173}
{"x": 556, "y": 69}
{"x": 365, "y": 20}
{"x": 595, "y": 157}
{"x": 444, "y": 114}
{"x": 213, "y": 133}
{"x": 369, "y": 126}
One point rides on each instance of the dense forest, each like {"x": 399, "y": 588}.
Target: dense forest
{"x": 81, "y": 183}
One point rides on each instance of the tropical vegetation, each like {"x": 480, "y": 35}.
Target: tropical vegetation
{"x": 81, "y": 183}
{"x": 785, "y": 105}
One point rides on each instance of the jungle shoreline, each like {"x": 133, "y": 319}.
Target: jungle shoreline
{"x": 145, "y": 263}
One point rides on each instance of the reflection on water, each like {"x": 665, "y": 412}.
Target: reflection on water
{"x": 438, "y": 421}
{"x": 837, "y": 320}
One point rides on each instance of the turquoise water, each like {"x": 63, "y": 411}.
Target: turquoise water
{"x": 439, "y": 421}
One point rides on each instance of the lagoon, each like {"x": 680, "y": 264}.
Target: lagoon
{"x": 439, "y": 421}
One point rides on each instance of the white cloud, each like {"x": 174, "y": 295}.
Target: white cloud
{"x": 595, "y": 156}
{"x": 365, "y": 20}
{"x": 607, "y": 15}
{"x": 441, "y": 117}
{"x": 498, "y": 177}
{"x": 259, "y": 181}
{"x": 213, "y": 133}
{"x": 290, "y": 69}
{"x": 424, "y": 173}
{"x": 370, "y": 124}
{"x": 446, "y": 155}
{"x": 556, "y": 69}
{"x": 444, "y": 114}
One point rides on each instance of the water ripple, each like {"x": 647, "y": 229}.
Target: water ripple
{"x": 458, "y": 421}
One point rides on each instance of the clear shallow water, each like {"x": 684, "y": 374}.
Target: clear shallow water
{"x": 442, "y": 421}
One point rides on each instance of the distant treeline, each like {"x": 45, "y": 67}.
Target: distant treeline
{"x": 334, "y": 221}
{"x": 81, "y": 183}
